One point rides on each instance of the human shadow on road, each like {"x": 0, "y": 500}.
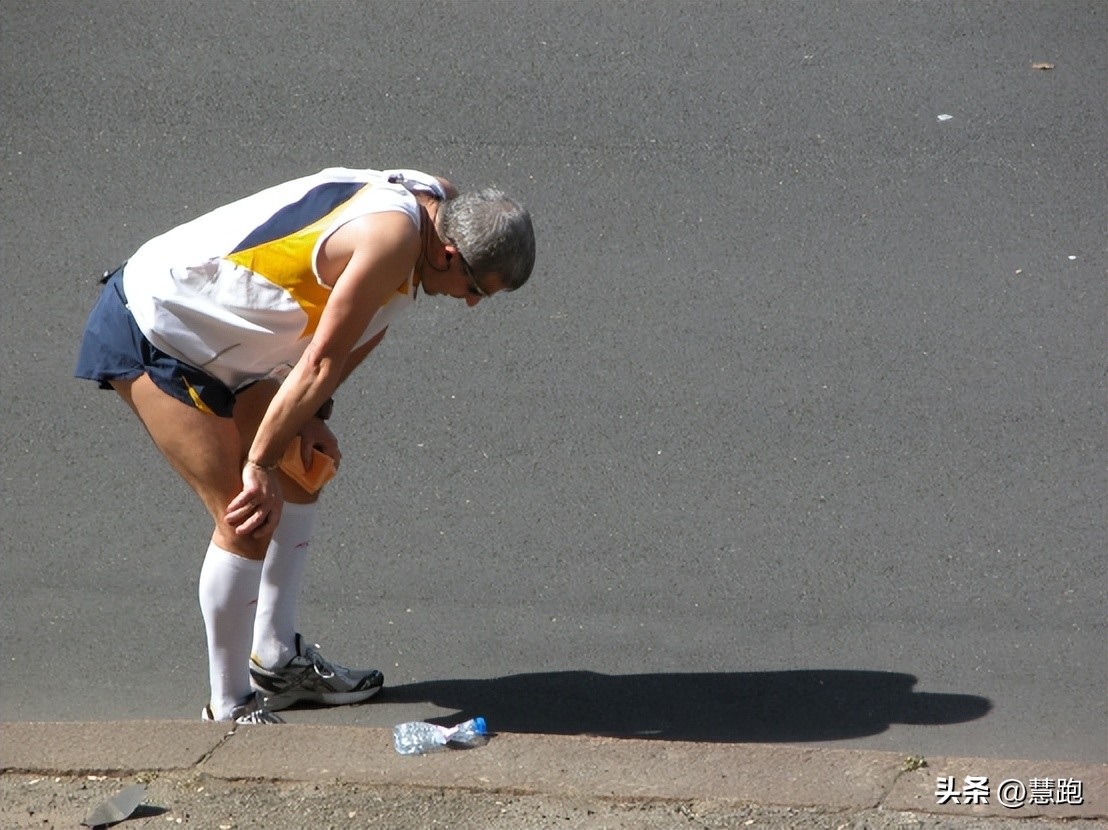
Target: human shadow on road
{"x": 732, "y": 707}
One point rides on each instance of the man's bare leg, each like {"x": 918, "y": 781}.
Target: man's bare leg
{"x": 206, "y": 451}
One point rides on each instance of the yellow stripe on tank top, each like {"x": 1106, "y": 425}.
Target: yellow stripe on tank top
{"x": 287, "y": 262}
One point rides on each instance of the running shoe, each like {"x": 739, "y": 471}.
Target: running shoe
{"x": 253, "y": 711}
{"x": 312, "y": 678}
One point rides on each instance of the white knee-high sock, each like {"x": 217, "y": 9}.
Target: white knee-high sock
{"x": 228, "y": 599}
{"x": 282, "y": 577}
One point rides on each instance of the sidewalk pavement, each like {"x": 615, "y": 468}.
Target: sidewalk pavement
{"x": 203, "y": 775}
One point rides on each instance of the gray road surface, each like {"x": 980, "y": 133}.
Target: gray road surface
{"x": 797, "y": 435}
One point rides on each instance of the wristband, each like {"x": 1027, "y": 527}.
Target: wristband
{"x": 326, "y": 410}
{"x": 267, "y": 467}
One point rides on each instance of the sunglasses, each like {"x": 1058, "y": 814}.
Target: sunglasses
{"x": 474, "y": 287}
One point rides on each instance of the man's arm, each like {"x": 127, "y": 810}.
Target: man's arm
{"x": 315, "y": 434}
{"x": 359, "y": 354}
{"x": 383, "y": 248}
{"x": 367, "y": 259}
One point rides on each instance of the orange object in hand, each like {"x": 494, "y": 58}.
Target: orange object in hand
{"x": 314, "y": 477}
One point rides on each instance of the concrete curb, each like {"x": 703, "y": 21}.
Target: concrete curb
{"x": 556, "y": 765}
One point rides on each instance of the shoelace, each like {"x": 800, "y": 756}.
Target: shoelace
{"x": 257, "y": 713}
{"x": 258, "y": 716}
{"x": 322, "y": 667}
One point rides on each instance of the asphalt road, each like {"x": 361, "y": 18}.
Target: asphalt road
{"x": 796, "y": 435}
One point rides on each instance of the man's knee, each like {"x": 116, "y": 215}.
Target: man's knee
{"x": 249, "y": 546}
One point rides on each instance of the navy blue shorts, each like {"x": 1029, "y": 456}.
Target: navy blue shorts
{"x": 113, "y": 348}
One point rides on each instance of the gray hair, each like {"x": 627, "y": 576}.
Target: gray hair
{"x": 494, "y": 234}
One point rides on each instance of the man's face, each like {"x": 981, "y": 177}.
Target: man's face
{"x": 458, "y": 280}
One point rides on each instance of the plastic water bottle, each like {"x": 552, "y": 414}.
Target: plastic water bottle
{"x": 418, "y": 737}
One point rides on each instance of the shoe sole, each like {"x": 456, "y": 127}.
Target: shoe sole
{"x": 277, "y": 702}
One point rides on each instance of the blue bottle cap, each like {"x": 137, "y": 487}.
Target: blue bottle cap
{"x": 479, "y": 726}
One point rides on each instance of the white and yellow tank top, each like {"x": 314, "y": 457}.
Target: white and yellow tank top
{"x": 236, "y": 291}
